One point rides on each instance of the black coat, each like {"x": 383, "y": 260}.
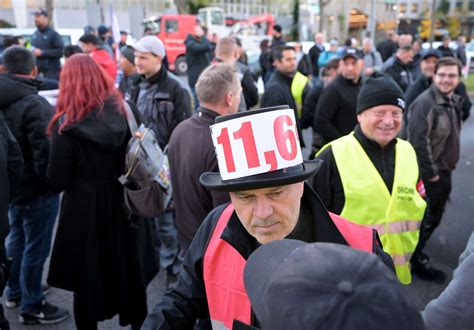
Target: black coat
{"x": 401, "y": 73}
{"x": 197, "y": 57}
{"x": 187, "y": 301}
{"x": 11, "y": 170}
{"x": 51, "y": 45}
{"x": 191, "y": 153}
{"x": 27, "y": 115}
{"x": 97, "y": 252}
{"x": 387, "y": 48}
{"x": 336, "y": 111}
{"x": 314, "y": 53}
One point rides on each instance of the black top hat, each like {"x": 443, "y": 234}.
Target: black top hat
{"x": 282, "y": 176}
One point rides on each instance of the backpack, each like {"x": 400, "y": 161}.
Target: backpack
{"x": 147, "y": 185}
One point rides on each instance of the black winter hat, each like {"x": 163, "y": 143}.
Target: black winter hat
{"x": 129, "y": 53}
{"x": 379, "y": 89}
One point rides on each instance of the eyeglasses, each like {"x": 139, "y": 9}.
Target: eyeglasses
{"x": 450, "y": 76}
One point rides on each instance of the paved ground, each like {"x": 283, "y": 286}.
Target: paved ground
{"x": 444, "y": 247}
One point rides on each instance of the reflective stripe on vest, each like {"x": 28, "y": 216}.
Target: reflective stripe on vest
{"x": 297, "y": 87}
{"x": 224, "y": 270}
{"x": 396, "y": 216}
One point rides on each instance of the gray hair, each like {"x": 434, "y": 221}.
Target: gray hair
{"x": 216, "y": 81}
{"x": 226, "y": 46}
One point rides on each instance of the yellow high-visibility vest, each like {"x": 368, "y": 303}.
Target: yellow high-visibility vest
{"x": 297, "y": 87}
{"x": 396, "y": 216}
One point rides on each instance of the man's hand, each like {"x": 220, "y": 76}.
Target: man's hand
{"x": 37, "y": 52}
{"x": 434, "y": 179}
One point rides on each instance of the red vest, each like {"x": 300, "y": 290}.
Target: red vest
{"x": 224, "y": 270}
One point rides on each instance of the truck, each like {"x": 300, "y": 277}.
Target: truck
{"x": 173, "y": 29}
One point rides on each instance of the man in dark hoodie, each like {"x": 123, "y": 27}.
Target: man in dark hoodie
{"x": 11, "y": 170}
{"x": 34, "y": 207}
{"x": 198, "y": 57}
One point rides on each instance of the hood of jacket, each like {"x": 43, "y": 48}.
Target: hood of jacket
{"x": 15, "y": 88}
{"x": 106, "y": 128}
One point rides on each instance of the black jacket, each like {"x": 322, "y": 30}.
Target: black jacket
{"x": 434, "y": 124}
{"x": 187, "y": 301}
{"x": 422, "y": 84}
{"x": 387, "y": 48}
{"x": 314, "y": 53}
{"x": 278, "y": 92}
{"x": 401, "y": 73}
{"x": 51, "y": 45}
{"x": 96, "y": 252}
{"x": 446, "y": 51}
{"x": 191, "y": 153}
{"x": 249, "y": 86}
{"x": 27, "y": 115}
{"x": 336, "y": 111}
{"x": 197, "y": 57}
{"x": 11, "y": 170}
{"x": 327, "y": 183}
{"x": 172, "y": 104}
{"x": 310, "y": 102}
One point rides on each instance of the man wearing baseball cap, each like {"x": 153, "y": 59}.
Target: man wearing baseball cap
{"x": 47, "y": 46}
{"x": 336, "y": 110}
{"x": 261, "y": 166}
{"x": 163, "y": 103}
{"x": 371, "y": 178}
{"x": 296, "y": 285}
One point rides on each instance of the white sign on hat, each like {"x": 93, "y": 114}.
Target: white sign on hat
{"x": 256, "y": 144}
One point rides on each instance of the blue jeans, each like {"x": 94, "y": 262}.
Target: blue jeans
{"x": 28, "y": 245}
{"x": 168, "y": 237}
{"x": 195, "y": 98}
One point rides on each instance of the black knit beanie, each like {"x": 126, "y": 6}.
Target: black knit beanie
{"x": 129, "y": 53}
{"x": 379, "y": 89}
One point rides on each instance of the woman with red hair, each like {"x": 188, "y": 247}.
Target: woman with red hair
{"x": 97, "y": 253}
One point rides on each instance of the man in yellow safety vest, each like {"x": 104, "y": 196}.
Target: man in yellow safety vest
{"x": 372, "y": 178}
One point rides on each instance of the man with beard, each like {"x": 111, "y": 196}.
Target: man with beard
{"x": 434, "y": 131}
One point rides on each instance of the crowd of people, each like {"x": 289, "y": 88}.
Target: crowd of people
{"x": 252, "y": 228}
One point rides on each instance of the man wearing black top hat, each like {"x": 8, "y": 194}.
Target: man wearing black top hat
{"x": 269, "y": 201}
{"x": 47, "y": 46}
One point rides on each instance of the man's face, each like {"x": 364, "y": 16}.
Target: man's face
{"x": 319, "y": 38}
{"x": 350, "y": 68}
{"x": 269, "y": 214}
{"x": 86, "y": 47}
{"x": 147, "y": 64}
{"x": 367, "y": 46}
{"x": 287, "y": 65}
{"x": 41, "y": 21}
{"x": 127, "y": 67}
{"x": 406, "y": 56}
{"x": 123, "y": 38}
{"x": 381, "y": 123}
{"x": 428, "y": 66}
{"x": 447, "y": 79}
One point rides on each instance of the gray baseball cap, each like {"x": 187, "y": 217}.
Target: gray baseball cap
{"x": 150, "y": 44}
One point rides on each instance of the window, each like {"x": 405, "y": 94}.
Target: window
{"x": 403, "y": 8}
{"x": 459, "y": 4}
{"x": 171, "y": 26}
{"x": 217, "y": 18}
{"x": 414, "y": 8}
{"x": 471, "y": 5}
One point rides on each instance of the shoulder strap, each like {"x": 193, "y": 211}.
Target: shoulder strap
{"x": 132, "y": 122}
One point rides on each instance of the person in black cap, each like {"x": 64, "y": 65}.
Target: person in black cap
{"x": 295, "y": 285}
{"x": 47, "y": 46}
{"x": 269, "y": 201}
{"x": 372, "y": 178}
{"x": 336, "y": 111}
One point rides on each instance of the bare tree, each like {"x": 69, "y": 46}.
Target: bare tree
{"x": 322, "y": 4}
